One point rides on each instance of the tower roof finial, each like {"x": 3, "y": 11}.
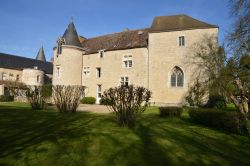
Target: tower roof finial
{"x": 70, "y": 36}
{"x": 71, "y": 19}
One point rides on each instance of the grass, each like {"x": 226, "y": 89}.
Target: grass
{"x": 49, "y": 138}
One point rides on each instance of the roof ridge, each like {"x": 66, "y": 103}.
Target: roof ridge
{"x": 16, "y": 56}
{"x": 22, "y": 57}
{"x": 201, "y": 21}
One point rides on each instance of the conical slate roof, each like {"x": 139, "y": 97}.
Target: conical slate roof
{"x": 40, "y": 55}
{"x": 70, "y": 36}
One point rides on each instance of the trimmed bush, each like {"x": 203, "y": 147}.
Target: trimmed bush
{"x": 216, "y": 102}
{"x": 170, "y": 111}
{"x": 6, "y": 98}
{"x": 128, "y": 102}
{"x": 88, "y": 100}
{"x": 104, "y": 101}
{"x": 229, "y": 121}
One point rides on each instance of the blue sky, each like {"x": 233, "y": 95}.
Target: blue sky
{"x": 25, "y": 25}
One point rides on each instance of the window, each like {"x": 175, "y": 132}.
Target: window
{"x": 38, "y": 79}
{"x": 58, "y": 71}
{"x": 60, "y": 41}
{"x": 98, "y": 72}
{"x": 99, "y": 91}
{"x": 17, "y": 77}
{"x": 181, "y": 41}
{"x": 124, "y": 81}
{"x": 4, "y": 76}
{"x": 59, "y": 49}
{"x": 86, "y": 71}
{"x": 177, "y": 77}
{"x": 101, "y": 53}
{"x": 127, "y": 61}
{"x": 11, "y": 76}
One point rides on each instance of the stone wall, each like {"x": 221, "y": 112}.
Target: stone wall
{"x": 11, "y": 74}
{"x": 33, "y": 77}
{"x": 67, "y": 69}
{"x": 165, "y": 53}
{"x": 113, "y": 68}
{"x": 151, "y": 67}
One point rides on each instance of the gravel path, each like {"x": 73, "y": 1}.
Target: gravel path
{"x": 93, "y": 108}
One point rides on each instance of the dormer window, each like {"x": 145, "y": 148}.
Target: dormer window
{"x": 101, "y": 53}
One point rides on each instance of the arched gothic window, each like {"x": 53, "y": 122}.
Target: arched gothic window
{"x": 177, "y": 77}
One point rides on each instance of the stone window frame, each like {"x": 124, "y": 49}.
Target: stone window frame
{"x": 17, "y": 77}
{"x": 127, "y": 61}
{"x": 177, "y": 70}
{"x": 58, "y": 71}
{"x": 101, "y": 53}
{"x": 124, "y": 80}
{"x": 182, "y": 41}
{"x": 4, "y": 75}
{"x": 86, "y": 71}
{"x": 99, "y": 90}
{"x": 38, "y": 80}
{"x": 98, "y": 72}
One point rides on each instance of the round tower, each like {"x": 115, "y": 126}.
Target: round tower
{"x": 68, "y": 55}
{"x": 33, "y": 77}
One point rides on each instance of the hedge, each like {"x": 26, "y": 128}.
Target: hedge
{"x": 6, "y": 98}
{"x": 229, "y": 121}
{"x": 216, "y": 102}
{"x": 88, "y": 100}
{"x": 170, "y": 111}
{"x": 104, "y": 101}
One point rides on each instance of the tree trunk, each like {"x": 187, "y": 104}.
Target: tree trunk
{"x": 241, "y": 105}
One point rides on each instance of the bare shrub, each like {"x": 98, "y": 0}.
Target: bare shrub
{"x": 127, "y": 103}
{"x": 35, "y": 97}
{"x": 67, "y": 98}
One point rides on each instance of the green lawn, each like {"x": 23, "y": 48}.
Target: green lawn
{"x": 50, "y": 138}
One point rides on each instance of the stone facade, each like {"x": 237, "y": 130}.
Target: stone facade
{"x": 152, "y": 64}
{"x": 10, "y": 74}
{"x": 24, "y": 70}
{"x": 33, "y": 77}
{"x": 165, "y": 54}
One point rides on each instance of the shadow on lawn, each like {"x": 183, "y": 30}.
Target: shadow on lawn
{"x": 95, "y": 139}
{"x": 29, "y": 128}
{"x": 189, "y": 143}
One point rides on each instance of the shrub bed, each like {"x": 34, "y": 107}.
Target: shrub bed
{"x": 170, "y": 111}
{"x": 6, "y": 98}
{"x": 88, "y": 100}
{"x": 228, "y": 121}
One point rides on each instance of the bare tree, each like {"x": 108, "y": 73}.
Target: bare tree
{"x": 239, "y": 38}
{"x": 224, "y": 77}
